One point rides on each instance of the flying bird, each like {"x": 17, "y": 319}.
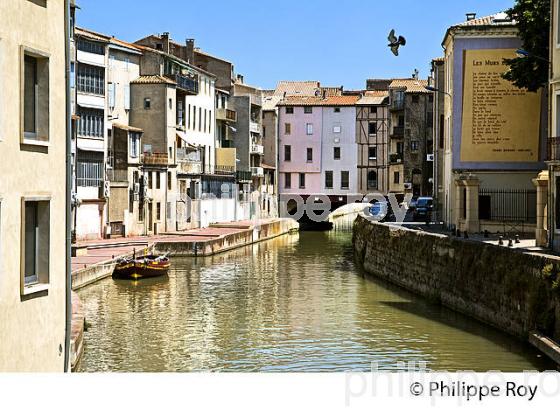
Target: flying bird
{"x": 395, "y": 43}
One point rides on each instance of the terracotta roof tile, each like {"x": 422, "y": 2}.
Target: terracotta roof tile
{"x": 335, "y": 100}
{"x": 498, "y": 18}
{"x": 411, "y": 85}
{"x": 92, "y": 35}
{"x": 297, "y": 87}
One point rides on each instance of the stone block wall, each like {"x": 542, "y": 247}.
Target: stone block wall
{"x": 508, "y": 289}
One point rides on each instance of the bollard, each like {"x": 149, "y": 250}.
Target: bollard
{"x": 466, "y": 235}
{"x": 458, "y": 233}
{"x": 486, "y": 233}
{"x": 510, "y": 243}
{"x": 501, "y": 240}
{"x": 517, "y": 239}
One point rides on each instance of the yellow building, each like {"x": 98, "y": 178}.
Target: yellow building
{"x": 32, "y": 186}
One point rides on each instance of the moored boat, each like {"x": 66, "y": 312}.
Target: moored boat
{"x": 148, "y": 266}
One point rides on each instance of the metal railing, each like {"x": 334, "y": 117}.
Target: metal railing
{"x": 186, "y": 83}
{"x": 508, "y": 205}
{"x": 395, "y": 158}
{"x": 243, "y": 176}
{"x": 397, "y": 132}
{"x": 397, "y": 104}
{"x": 553, "y": 152}
{"x": 225, "y": 114}
{"x": 257, "y": 149}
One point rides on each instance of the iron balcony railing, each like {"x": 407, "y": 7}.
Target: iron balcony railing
{"x": 397, "y": 104}
{"x": 553, "y": 153}
{"x": 187, "y": 84}
{"x": 395, "y": 158}
{"x": 243, "y": 176}
{"x": 398, "y": 132}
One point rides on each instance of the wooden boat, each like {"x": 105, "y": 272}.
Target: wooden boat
{"x": 148, "y": 266}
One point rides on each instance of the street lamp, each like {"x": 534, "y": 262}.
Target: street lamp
{"x": 436, "y": 90}
{"x": 524, "y": 54}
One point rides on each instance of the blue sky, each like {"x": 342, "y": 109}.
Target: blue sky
{"x": 336, "y": 42}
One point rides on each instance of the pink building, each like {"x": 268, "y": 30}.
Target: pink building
{"x": 301, "y": 141}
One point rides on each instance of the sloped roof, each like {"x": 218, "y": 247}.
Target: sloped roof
{"x": 270, "y": 102}
{"x": 127, "y": 127}
{"x": 91, "y": 35}
{"x": 374, "y": 98}
{"x": 411, "y": 85}
{"x": 335, "y": 100}
{"x": 498, "y": 18}
{"x": 153, "y": 79}
{"x": 297, "y": 88}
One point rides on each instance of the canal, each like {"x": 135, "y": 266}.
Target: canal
{"x": 296, "y": 303}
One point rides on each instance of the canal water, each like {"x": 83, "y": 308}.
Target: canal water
{"x": 296, "y": 303}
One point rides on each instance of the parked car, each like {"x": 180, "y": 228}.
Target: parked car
{"x": 423, "y": 209}
{"x": 382, "y": 211}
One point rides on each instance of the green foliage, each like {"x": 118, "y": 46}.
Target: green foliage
{"x": 533, "y": 22}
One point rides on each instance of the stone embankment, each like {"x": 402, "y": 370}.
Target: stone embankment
{"x": 514, "y": 291}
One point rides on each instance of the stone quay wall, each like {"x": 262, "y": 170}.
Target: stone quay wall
{"x": 514, "y": 291}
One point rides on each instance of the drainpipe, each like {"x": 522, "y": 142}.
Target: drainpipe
{"x": 68, "y": 324}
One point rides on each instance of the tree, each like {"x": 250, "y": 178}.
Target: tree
{"x": 533, "y": 22}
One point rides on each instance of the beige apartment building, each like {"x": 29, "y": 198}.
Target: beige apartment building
{"x": 32, "y": 187}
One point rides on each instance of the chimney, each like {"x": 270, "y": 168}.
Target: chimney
{"x": 471, "y": 16}
{"x": 165, "y": 39}
{"x": 239, "y": 78}
{"x": 190, "y": 50}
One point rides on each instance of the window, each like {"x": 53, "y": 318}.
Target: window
{"x": 309, "y": 129}
{"x": 400, "y": 147}
{"x": 158, "y": 180}
{"x": 309, "y": 154}
{"x": 344, "y": 179}
{"x": 35, "y": 242}
{"x": 199, "y": 119}
{"x": 90, "y": 47}
{"x": 150, "y": 180}
{"x": 372, "y": 180}
{"x": 396, "y": 177}
{"x": 180, "y": 113}
{"x": 171, "y": 103}
{"x": 288, "y": 181}
{"x": 372, "y": 128}
{"x": 415, "y": 98}
{"x": 147, "y": 103}
{"x": 189, "y": 116}
{"x": 337, "y": 129}
{"x": 308, "y": 110}
{"x": 328, "y": 179}
{"x": 414, "y": 145}
{"x": 169, "y": 180}
{"x": 111, "y": 95}
{"x": 35, "y": 98}
{"x": 158, "y": 211}
{"x": 336, "y": 109}
{"x": 301, "y": 181}
{"x": 89, "y": 169}
{"x": 91, "y": 79}
{"x": 289, "y": 110}
{"x": 373, "y": 110}
{"x": 287, "y": 153}
{"x": 194, "y": 118}
{"x": 134, "y": 145}
{"x": 372, "y": 153}
{"x": 91, "y": 123}
{"x": 431, "y": 98}
{"x": 127, "y": 97}
{"x": 336, "y": 153}
{"x": 287, "y": 128}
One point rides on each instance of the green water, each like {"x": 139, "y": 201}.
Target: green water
{"x": 296, "y": 303}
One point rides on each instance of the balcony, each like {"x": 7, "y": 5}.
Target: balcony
{"x": 398, "y": 132}
{"x": 225, "y": 114}
{"x": 155, "y": 158}
{"x": 553, "y": 153}
{"x": 189, "y": 161}
{"x": 187, "y": 84}
{"x": 395, "y": 159}
{"x": 243, "y": 176}
{"x": 397, "y": 105}
{"x": 255, "y": 127}
{"x": 257, "y": 172}
{"x": 257, "y": 149}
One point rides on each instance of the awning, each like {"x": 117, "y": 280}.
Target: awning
{"x": 93, "y": 106}
{"x": 183, "y": 137}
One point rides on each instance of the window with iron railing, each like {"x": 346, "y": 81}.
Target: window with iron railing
{"x": 91, "y": 79}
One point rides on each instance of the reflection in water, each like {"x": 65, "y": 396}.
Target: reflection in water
{"x": 296, "y": 303}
